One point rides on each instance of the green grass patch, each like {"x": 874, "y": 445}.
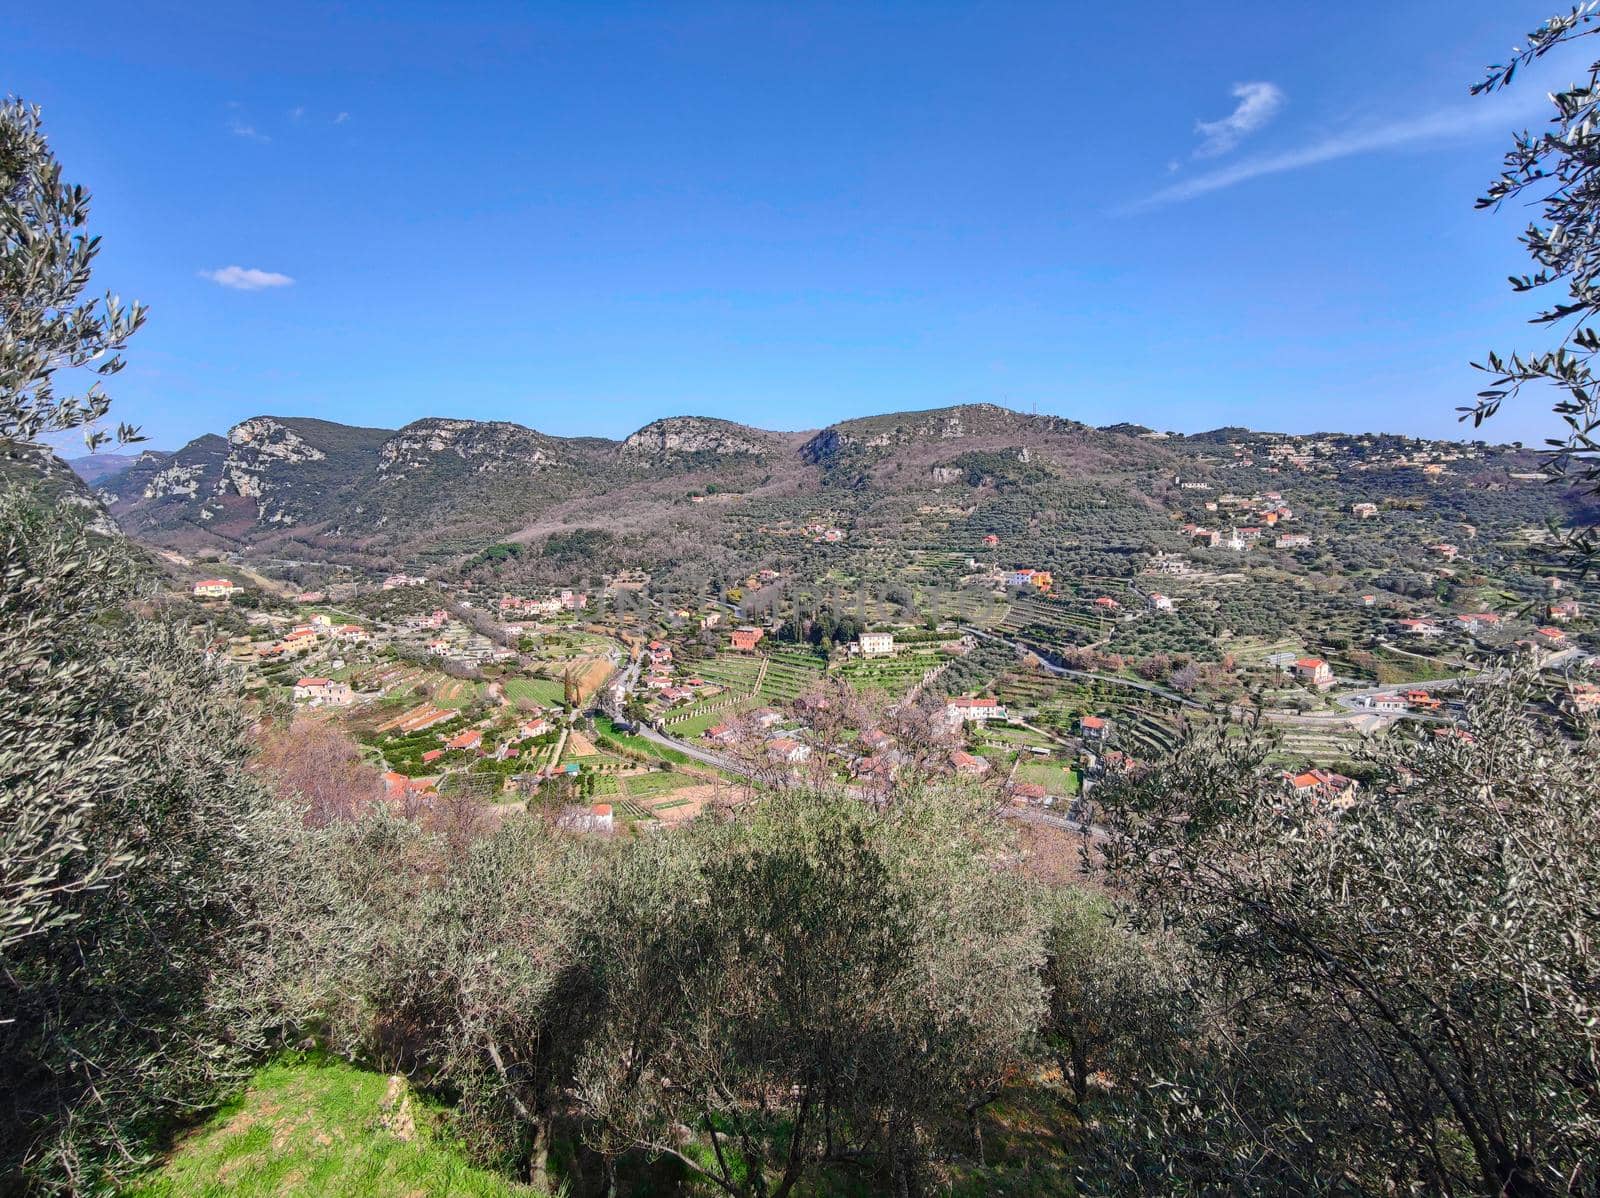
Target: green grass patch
{"x": 645, "y": 786}
{"x": 614, "y": 738}
{"x": 543, "y": 692}
{"x": 1056, "y": 779}
{"x": 314, "y": 1126}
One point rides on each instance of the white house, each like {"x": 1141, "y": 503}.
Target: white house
{"x": 973, "y": 711}
{"x": 876, "y": 644}
{"x": 323, "y": 691}
{"x": 786, "y": 749}
{"x": 214, "y": 588}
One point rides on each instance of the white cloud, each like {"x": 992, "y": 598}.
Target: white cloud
{"x": 298, "y": 111}
{"x": 240, "y": 129}
{"x": 1445, "y": 124}
{"x": 240, "y": 278}
{"x": 341, "y": 118}
{"x": 1258, "y": 104}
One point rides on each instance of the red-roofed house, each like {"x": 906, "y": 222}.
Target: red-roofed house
{"x": 214, "y": 588}
{"x": 470, "y": 739}
{"x": 1315, "y": 671}
{"x": 965, "y": 763}
{"x": 397, "y": 785}
{"x": 746, "y": 639}
{"x": 1325, "y": 784}
{"x": 782, "y": 748}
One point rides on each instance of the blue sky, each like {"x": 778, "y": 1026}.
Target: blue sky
{"x": 585, "y": 216}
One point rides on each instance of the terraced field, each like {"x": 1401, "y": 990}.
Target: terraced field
{"x": 654, "y": 784}
{"x": 729, "y": 671}
{"x": 897, "y": 674}
{"x": 788, "y": 675}
{"x": 1144, "y": 725}
{"x": 1301, "y": 744}
{"x": 540, "y": 692}
{"x": 985, "y": 609}
{"x": 1069, "y": 617}
{"x": 456, "y": 692}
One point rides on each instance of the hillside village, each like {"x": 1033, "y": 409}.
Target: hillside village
{"x": 626, "y": 699}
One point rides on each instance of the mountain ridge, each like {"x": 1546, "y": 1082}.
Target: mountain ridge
{"x": 441, "y": 489}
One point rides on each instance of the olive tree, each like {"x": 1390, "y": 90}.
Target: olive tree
{"x": 1113, "y": 1001}
{"x": 132, "y": 836}
{"x": 1401, "y": 994}
{"x": 1555, "y": 171}
{"x": 813, "y": 981}
{"x": 47, "y": 325}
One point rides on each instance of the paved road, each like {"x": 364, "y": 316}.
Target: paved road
{"x": 694, "y": 751}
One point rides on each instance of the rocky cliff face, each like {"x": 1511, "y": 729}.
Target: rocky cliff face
{"x": 482, "y": 446}
{"x": 37, "y": 468}
{"x": 180, "y": 478}
{"x": 259, "y": 449}
{"x": 878, "y": 434}
{"x": 680, "y": 436}
{"x": 267, "y": 472}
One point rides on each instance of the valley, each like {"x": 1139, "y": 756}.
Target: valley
{"x": 710, "y": 609}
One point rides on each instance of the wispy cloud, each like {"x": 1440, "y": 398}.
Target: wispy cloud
{"x": 1446, "y": 124}
{"x": 249, "y": 132}
{"x": 1258, "y": 104}
{"x": 341, "y": 118}
{"x": 298, "y": 111}
{"x": 240, "y": 278}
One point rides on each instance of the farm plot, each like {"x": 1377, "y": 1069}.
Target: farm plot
{"x": 611, "y": 737}
{"x": 536, "y": 692}
{"x": 1143, "y": 724}
{"x": 456, "y": 692}
{"x": 1057, "y": 778}
{"x": 897, "y": 674}
{"x": 654, "y": 784}
{"x": 1058, "y": 623}
{"x": 789, "y": 675}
